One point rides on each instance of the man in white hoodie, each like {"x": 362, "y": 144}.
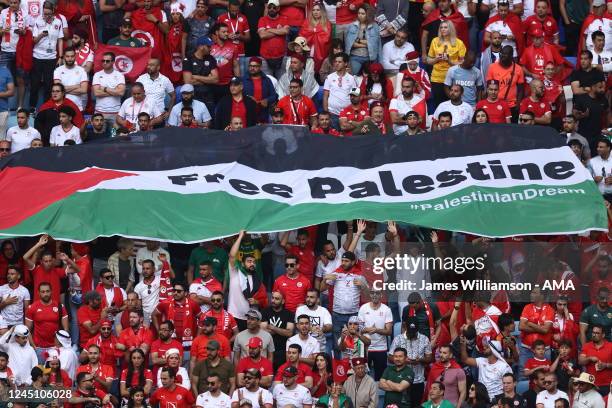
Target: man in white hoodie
{"x": 22, "y": 357}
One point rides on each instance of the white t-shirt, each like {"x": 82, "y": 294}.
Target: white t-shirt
{"x": 331, "y": 266}
{"x": 362, "y": 243}
{"x": 32, "y": 9}
{"x": 266, "y": 396}
{"x": 15, "y": 22}
{"x": 70, "y": 77}
{"x": 604, "y": 25}
{"x": 156, "y": 89}
{"x": 548, "y": 399}
{"x": 503, "y": 29}
{"x": 346, "y": 292}
{"x": 376, "y": 318}
{"x": 491, "y": 375}
{"x": 309, "y": 346}
{"x": 130, "y": 109}
{"x": 402, "y": 107}
{"x": 493, "y": 5}
{"x": 393, "y": 56}
{"x": 589, "y": 399}
{"x": 206, "y": 400}
{"x": 46, "y": 48}
{"x": 339, "y": 89}
{"x": 149, "y": 296}
{"x": 13, "y": 314}
{"x": 21, "y": 138}
{"x": 108, "y": 104}
{"x": 59, "y": 136}
{"x": 299, "y": 396}
{"x": 201, "y": 290}
{"x": 318, "y": 317}
{"x": 462, "y": 114}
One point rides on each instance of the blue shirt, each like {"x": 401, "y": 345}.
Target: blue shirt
{"x": 469, "y": 79}
{"x": 5, "y": 79}
{"x": 200, "y": 113}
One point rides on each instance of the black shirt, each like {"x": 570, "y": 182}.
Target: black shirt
{"x": 91, "y": 136}
{"x": 586, "y": 78}
{"x": 278, "y": 319}
{"x": 202, "y": 67}
{"x": 590, "y": 127}
{"x": 530, "y": 396}
{"x": 518, "y": 401}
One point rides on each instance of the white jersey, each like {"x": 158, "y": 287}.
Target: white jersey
{"x": 376, "y": 318}
{"x": 548, "y": 400}
{"x": 149, "y": 295}
{"x": 261, "y": 394}
{"x": 206, "y": 400}
{"x": 46, "y": 48}
{"x": 14, "y": 314}
{"x": 156, "y": 89}
{"x": 21, "y": 138}
{"x": 309, "y": 346}
{"x": 604, "y": 25}
{"x": 318, "y": 317}
{"x": 108, "y": 104}
{"x": 339, "y": 88}
{"x": 32, "y": 9}
{"x": 70, "y": 77}
{"x": 58, "y": 136}
{"x": 462, "y": 114}
{"x": 299, "y": 396}
{"x": 130, "y": 109}
{"x": 490, "y": 375}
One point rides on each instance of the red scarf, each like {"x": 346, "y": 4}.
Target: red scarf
{"x": 165, "y": 284}
{"x": 7, "y": 23}
{"x": 436, "y": 370}
{"x": 188, "y": 320}
{"x": 117, "y": 296}
{"x": 82, "y": 55}
{"x": 516, "y": 26}
{"x": 456, "y": 18}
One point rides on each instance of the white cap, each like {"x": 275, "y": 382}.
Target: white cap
{"x": 274, "y": 3}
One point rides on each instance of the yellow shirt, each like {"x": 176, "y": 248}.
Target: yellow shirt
{"x": 455, "y": 54}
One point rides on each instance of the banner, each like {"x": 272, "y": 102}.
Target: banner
{"x": 191, "y": 185}
{"x": 131, "y": 62}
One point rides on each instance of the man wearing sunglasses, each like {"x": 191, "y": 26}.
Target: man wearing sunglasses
{"x": 547, "y": 397}
{"x": 292, "y": 285}
{"x": 259, "y": 397}
{"x": 106, "y": 342}
{"x": 596, "y": 357}
{"x": 148, "y": 289}
{"x": 108, "y": 87}
{"x": 214, "y": 397}
{"x": 5, "y": 148}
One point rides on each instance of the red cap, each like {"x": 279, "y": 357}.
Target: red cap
{"x": 256, "y": 60}
{"x": 536, "y": 31}
{"x": 376, "y": 68}
{"x": 412, "y": 55}
{"x": 255, "y": 342}
{"x": 299, "y": 56}
{"x": 81, "y": 249}
{"x": 106, "y": 323}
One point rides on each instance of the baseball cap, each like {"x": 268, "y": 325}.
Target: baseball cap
{"x": 359, "y": 361}
{"x": 256, "y": 60}
{"x": 355, "y": 92}
{"x": 598, "y": 3}
{"x": 411, "y": 325}
{"x": 536, "y": 31}
{"x": 213, "y": 344}
{"x": 255, "y": 342}
{"x": 173, "y": 351}
{"x": 126, "y": 22}
{"x": 21, "y": 330}
{"x": 235, "y": 81}
{"x": 274, "y": 3}
{"x": 187, "y": 88}
{"x": 290, "y": 371}
{"x": 253, "y": 313}
{"x": 348, "y": 254}
{"x": 503, "y": 3}
{"x": 204, "y": 41}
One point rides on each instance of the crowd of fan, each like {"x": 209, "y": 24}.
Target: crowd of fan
{"x": 290, "y": 320}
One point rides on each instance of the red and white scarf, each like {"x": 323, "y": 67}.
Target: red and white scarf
{"x": 8, "y": 23}
{"x": 82, "y": 54}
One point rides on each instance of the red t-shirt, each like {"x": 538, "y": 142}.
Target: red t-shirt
{"x": 108, "y": 352}
{"x": 275, "y": 46}
{"x": 104, "y": 371}
{"x": 53, "y": 276}
{"x": 604, "y": 354}
{"x": 344, "y": 15}
{"x": 303, "y": 372}
{"x": 224, "y": 55}
{"x": 538, "y": 108}
{"x": 307, "y": 260}
{"x": 225, "y": 322}
{"x": 148, "y": 375}
{"x": 129, "y": 338}
{"x": 356, "y": 115}
{"x": 498, "y": 111}
{"x": 239, "y": 109}
{"x": 293, "y": 290}
{"x": 238, "y": 25}
{"x": 178, "y": 398}
{"x": 532, "y": 363}
{"x": 257, "y": 88}
{"x": 294, "y": 14}
{"x": 181, "y": 331}
{"x": 548, "y": 25}
{"x": 85, "y": 274}
{"x": 46, "y": 322}
{"x": 263, "y": 365}
{"x": 331, "y": 131}
{"x": 198, "y": 347}
{"x": 160, "y": 348}
{"x": 539, "y": 316}
{"x": 87, "y": 314}
{"x": 297, "y": 113}
{"x": 535, "y": 59}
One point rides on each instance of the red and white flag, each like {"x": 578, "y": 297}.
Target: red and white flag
{"x": 131, "y": 62}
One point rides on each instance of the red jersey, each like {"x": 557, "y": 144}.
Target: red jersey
{"x": 108, "y": 351}
{"x": 238, "y": 25}
{"x": 102, "y": 370}
{"x": 498, "y": 111}
{"x": 85, "y": 273}
{"x": 604, "y": 354}
{"x": 293, "y": 290}
{"x": 160, "y": 348}
{"x": 307, "y": 259}
{"x": 87, "y": 314}
{"x": 356, "y": 115}
{"x": 198, "y": 347}
{"x": 532, "y": 363}
{"x": 96, "y": 393}
{"x": 344, "y": 14}
{"x": 239, "y": 110}
{"x": 293, "y": 14}
{"x": 303, "y": 372}
{"x": 225, "y": 55}
{"x": 297, "y": 112}
{"x": 539, "y": 109}
{"x": 263, "y": 365}
{"x": 148, "y": 376}
{"x": 130, "y": 338}
{"x": 46, "y": 321}
{"x": 225, "y": 322}
{"x": 184, "y": 316}
{"x": 548, "y": 25}
{"x": 539, "y": 316}
{"x": 52, "y": 276}
{"x": 535, "y": 59}
{"x": 331, "y": 131}
{"x": 178, "y": 398}
{"x": 275, "y": 46}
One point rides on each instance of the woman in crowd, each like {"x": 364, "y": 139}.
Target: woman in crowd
{"x": 480, "y": 116}
{"x": 57, "y": 378}
{"x": 173, "y": 359}
{"x": 335, "y": 398}
{"x": 376, "y": 87}
{"x": 136, "y": 374}
{"x": 137, "y": 398}
{"x": 362, "y": 42}
{"x": 445, "y": 51}
{"x": 317, "y": 30}
{"x": 321, "y": 375}
{"x": 477, "y": 397}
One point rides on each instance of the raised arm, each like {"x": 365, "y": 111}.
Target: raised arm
{"x": 234, "y": 250}
{"x": 30, "y": 256}
{"x": 354, "y": 238}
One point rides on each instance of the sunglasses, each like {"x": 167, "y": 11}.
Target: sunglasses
{"x": 211, "y": 383}
{"x": 216, "y": 300}
{"x": 548, "y": 382}
{"x": 108, "y": 277}
{"x": 210, "y": 348}
{"x": 290, "y": 265}
{"x": 105, "y": 329}
{"x": 107, "y": 61}
{"x": 179, "y": 290}
{"x": 5, "y": 149}
{"x": 524, "y": 120}
{"x": 254, "y": 66}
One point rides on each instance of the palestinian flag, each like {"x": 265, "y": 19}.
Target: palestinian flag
{"x": 189, "y": 185}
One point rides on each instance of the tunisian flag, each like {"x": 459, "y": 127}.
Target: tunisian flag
{"x": 131, "y": 62}
{"x": 149, "y": 32}
{"x": 340, "y": 370}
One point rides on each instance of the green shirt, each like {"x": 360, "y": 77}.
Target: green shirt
{"x": 132, "y": 42}
{"x": 218, "y": 258}
{"x": 401, "y": 399}
{"x": 443, "y": 404}
{"x": 592, "y": 315}
{"x": 343, "y": 400}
